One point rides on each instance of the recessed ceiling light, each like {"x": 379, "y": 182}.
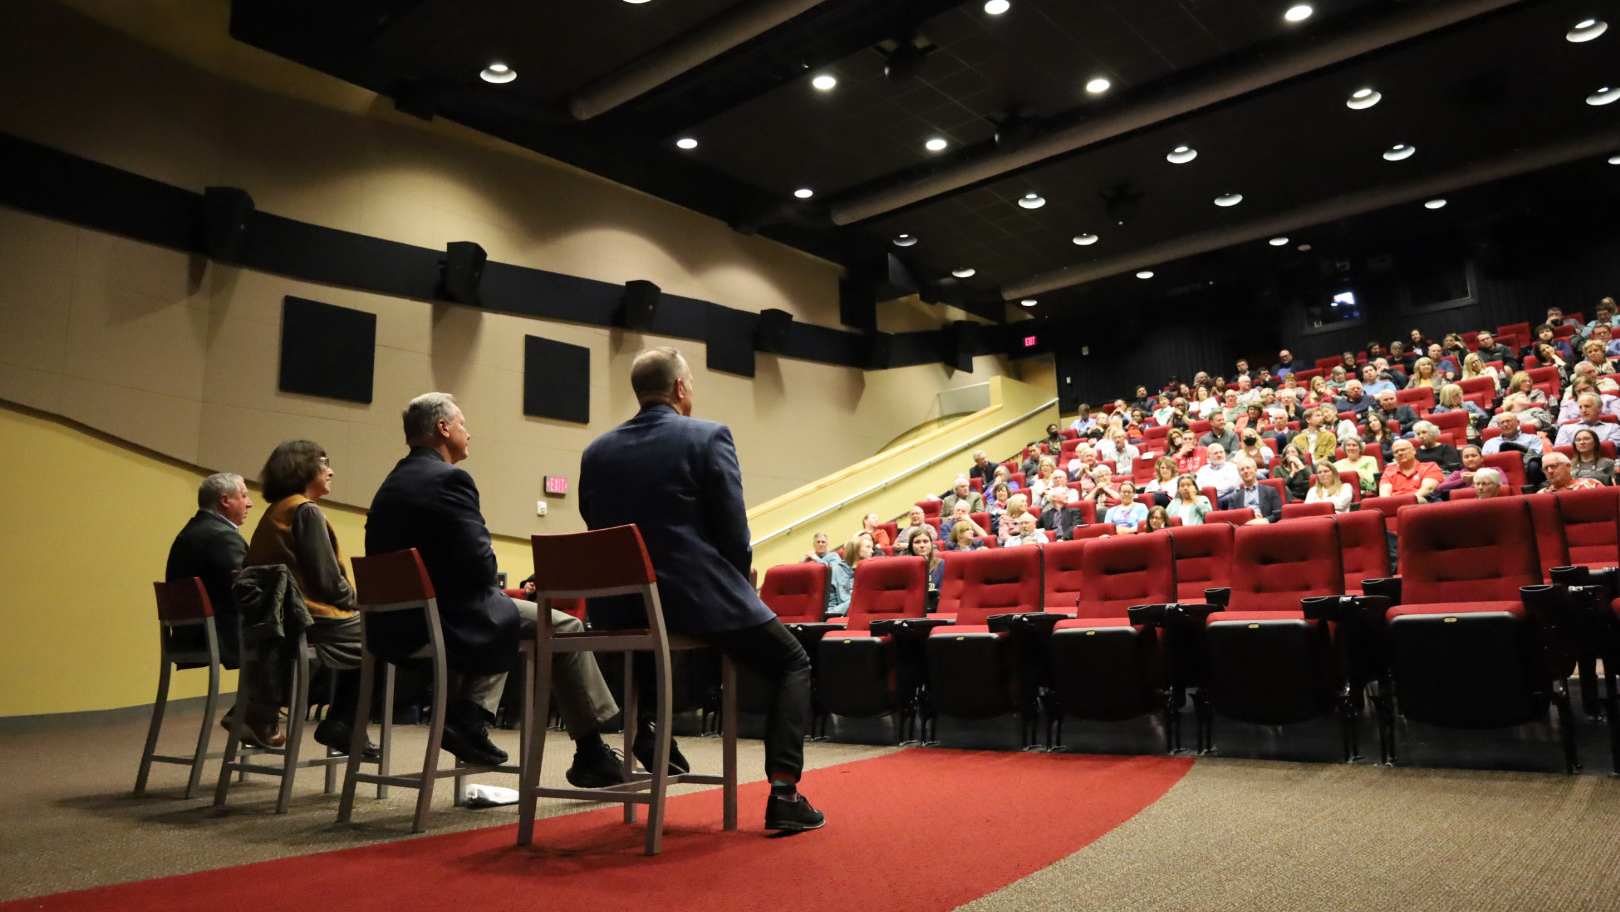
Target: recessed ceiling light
{"x": 825, "y": 81}
{"x": 1145, "y": 274}
{"x": 1181, "y": 155}
{"x": 1614, "y": 159}
{"x": 905, "y": 240}
{"x": 1278, "y": 241}
{"x": 997, "y": 7}
{"x": 1032, "y": 201}
{"x": 1303, "y": 248}
{"x": 1299, "y": 12}
{"x": 936, "y": 144}
{"x": 638, "y": 2}
{"x": 804, "y": 193}
{"x": 1228, "y": 199}
{"x": 1603, "y": 96}
{"x": 965, "y": 272}
{"x": 1085, "y": 240}
{"x": 1029, "y": 302}
{"x": 1586, "y": 30}
{"x": 686, "y": 142}
{"x": 1435, "y": 204}
{"x": 1362, "y": 99}
{"x": 1399, "y": 152}
{"x": 1098, "y": 86}
{"x": 498, "y": 73}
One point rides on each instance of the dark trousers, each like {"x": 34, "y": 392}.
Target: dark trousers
{"x": 772, "y": 653}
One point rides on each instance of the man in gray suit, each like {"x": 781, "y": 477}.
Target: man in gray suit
{"x": 676, "y": 478}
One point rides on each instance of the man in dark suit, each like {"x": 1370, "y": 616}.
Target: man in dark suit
{"x": 1263, "y": 499}
{"x": 429, "y": 504}
{"x": 210, "y": 547}
{"x": 676, "y": 478}
{"x": 1063, "y": 518}
{"x": 1394, "y": 410}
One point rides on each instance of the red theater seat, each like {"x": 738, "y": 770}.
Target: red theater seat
{"x": 1302, "y": 510}
{"x": 970, "y": 666}
{"x": 855, "y": 671}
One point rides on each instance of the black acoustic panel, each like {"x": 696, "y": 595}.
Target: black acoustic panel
{"x": 332, "y": 257}
{"x": 463, "y": 270}
{"x": 226, "y": 211}
{"x": 877, "y": 351}
{"x": 730, "y": 340}
{"x": 857, "y": 306}
{"x": 548, "y": 295}
{"x": 913, "y": 348}
{"x": 327, "y": 350}
{"x": 556, "y": 380}
{"x": 42, "y": 180}
{"x": 773, "y": 329}
{"x": 963, "y": 338}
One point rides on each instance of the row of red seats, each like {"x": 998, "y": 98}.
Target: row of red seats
{"x": 1264, "y": 624}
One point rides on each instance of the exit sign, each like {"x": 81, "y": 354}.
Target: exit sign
{"x": 1029, "y": 341}
{"x": 556, "y": 484}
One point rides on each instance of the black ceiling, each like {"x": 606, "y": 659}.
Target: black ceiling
{"x": 1496, "y": 93}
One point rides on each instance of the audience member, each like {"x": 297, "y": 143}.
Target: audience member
{"x": 1157, "y": 518}
{"x": 962, "y": 492}
{"x": 1103, "y": 489}
{"x": 1063, "y": 517}
{"x": 1430, "y": 448}
{"x": 871, "y": 524}
{"x": 1012, "y": 521}
{"x": 840, "y": 577}
{"x": 1378, "y": 433}
{"x": 1406, "y": 474}
{"x": 1488, "y": 483}
{"x": 961, "y": 513}
{"x": 1295, "y": 472}
{"x": 1218, "y": 434}
{"x": 1589, "y": 461}
{"x": 1472, "y": 460}
{"x": 1591, "y": 417}
{"x": 1560, "y": 472}
{"x": 1328, "y": 487}
{"x": 1251, "y": 494}
{"x": 916, "y": 518}
{"x": 1371, "y": 382}
{"x": 1084, "y": 423}
{"x": 1474, "y": 366}
{"x": 1357, "y": 460}
{"x": 1182, "y": 446}
{"x": 962, "y": 539}
{"x": 1027, "y": 533}
{"x": 1512, "y": 438}
{"x": 1391, "y": 409}
{"x": 211, "y": 548}
{"x": 1490, "y": 350}
{"x": 1355, "y": 401}
{"x": 923, "y": 546}
{"x": 1162, "y": 486}
{"x": 1219, "y": 474}
{"x": 983, "y": 469}
{"x": 1317, "y": 439}
{"x": 1451, "y": 400}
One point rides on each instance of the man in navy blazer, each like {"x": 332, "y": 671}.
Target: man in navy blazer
{"x": 429, "y": 504}
{"x": 1263, "y": 499}
{"x": 676, "y": 478}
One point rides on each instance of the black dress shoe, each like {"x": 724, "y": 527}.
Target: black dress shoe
{"x": 336, "y": 735}
{"x": 466, "y": 735}
{"x": 642, "y": 750}
{"x": 792, "y": 816}
{"x": 596, "y": 767}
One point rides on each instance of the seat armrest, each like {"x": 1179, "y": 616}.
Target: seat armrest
{"x": 1194, "y": 612}
{"x": 907, "y": 627}
{"x": 1386, "y": 587}
{"x": 1324, "y": 607}
{"x": 1606, "y": 579}
{"x": 1221, "y": 597}
{"x": 1038, "y": 621}
{"x": 808, "y": 632}
{"x": 1148, "y": 615}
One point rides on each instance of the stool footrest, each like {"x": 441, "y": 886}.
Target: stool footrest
{"x": 617, "y": 794}
{"x": 277, "y": 770}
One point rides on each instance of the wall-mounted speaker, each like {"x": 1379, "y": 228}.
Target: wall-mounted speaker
{"x": 771, "y": 336}
{"x": 463, "y": 269}
{"x": 226, "y": 211}
{"x": 962, "y": 342}
{"x": 877, "y": 350}
{"x": 857, "y": 307}
{"x": 639, "y": 305}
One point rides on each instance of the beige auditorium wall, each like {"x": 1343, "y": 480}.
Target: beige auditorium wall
{"x": 177, "y": 354}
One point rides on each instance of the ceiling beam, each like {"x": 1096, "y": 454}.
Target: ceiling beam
{"x": 1246, "y": 78}
{"x": 1506, "y": 166}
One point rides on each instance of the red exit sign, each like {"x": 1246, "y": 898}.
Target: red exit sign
{"x": 556, "y": 484}
{"x": 1029, "y": 341}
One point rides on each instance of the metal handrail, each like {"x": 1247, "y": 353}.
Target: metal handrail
{"x": 899, "y": 475}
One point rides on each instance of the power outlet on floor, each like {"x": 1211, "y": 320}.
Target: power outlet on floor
{"x": 539, "y": 508}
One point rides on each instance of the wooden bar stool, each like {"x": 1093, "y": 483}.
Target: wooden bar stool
{"x": 398, "y": 581}
{"x": 603, "y": 563}
{"x": 181, "y": 605}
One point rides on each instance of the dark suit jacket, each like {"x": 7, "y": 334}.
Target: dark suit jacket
{"x": 675, "y": 478}
{"x": 1401, "y": 414}
{"x": 1061, "y": 523}
{"x": 1270, "y": 502}
{"x": 430, "y": 505}
{"x": 209, "y": 547}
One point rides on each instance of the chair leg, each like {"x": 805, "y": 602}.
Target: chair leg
{"x": 159, "y": 704}
{"x": 368, "y": 673}
{"x": 1566, "y": 726}
{"x": 206, "y": 733}
{"x": 297, "y": 710}
{"x": 660, "y": 771}
{"x": 430, "y": 763}
{"x": 631, "y": 714}
{"x": 233, "y": 743}
{"x": 728, "y": 718}
{"x": 533, "y": 746}
{"x": 385, "y": 746}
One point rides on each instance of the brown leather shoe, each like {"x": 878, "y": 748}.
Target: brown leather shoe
{"x": 263, "y": 727}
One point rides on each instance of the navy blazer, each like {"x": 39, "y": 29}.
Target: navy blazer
{"x": 430, "y": 505}
{"x": 1270, "y": 502}
{"x": 676, "y": 478}
{"x": 209, "y": 547}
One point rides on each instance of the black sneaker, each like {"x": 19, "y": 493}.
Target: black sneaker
{"x": 792, "y": 816}
{"x": 335, "y": 735}
{"x": 466, "y": 735}
{"x": 596, "y": 767}
{"x": 642, "y": 750}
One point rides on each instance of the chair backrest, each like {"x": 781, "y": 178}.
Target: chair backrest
{"x": 1062, "y": 574}
{"x": 797, "y": 593}
{"x": 1363, "y": 547}
{"x": 1142, "y": 469}
{"x": 1605, "y": 447}
{"x": 1236, "y": 517}
{"x": 183, "y": 602}
{"x": 1419, "y": 398}
{"x": 1274, "y": 566}
{"x": 982, "y": 520}
{"x": 1124, "y": 571}
{"x": 1478, "y": 385}
{"x": 1543, "y": 374}
{"x": 1352, "y": 478}
{"x": 1591, "y": 519}
{"x": 1511, "y": 465}
{"x": 993, "y": 581}
{"x": 1088, "y": 510}
{"x": 977, "y": 483}
{"x": 1450, "y": 421}
{"x": 930, "y": 507}
{"x": 1203, "y": 559}
{"x": 1093, "y": 530}
{"x": 890, "y": 587}
{"x": 1302, "y": 510}
{"x": 1390, "y": 507}
{"x": 1282, "y": 489}
{"x": 1549, "y": 525}
{"x": 893, "y": 528}
{"x": 400, "y": 577}
{"x": 1476, "y": 550}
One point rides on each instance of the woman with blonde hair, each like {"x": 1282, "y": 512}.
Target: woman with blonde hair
{"x": 962, "y": 538}
{"x": 1017, "y": 506}
{"x": 1164, "y": 479}
{"x": 1330, "y": 488}
{"x": 1475, "y": 366}
{"x": 1423, "y": 374}
{"x": 1522, "y": 382}
{"x": 860, "y": 547}
{"x": 1451, "y": 399}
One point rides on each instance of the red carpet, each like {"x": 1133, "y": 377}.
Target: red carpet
{"x": 924, "y": 830}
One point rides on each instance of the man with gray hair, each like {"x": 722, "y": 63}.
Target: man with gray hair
{"x": 1591, "y": 417}
{"x": 430, "y": 504}
{"x": 676, "y": 478}
{"x": 1488, "y": 483}
{"x": 211, "y": 548}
